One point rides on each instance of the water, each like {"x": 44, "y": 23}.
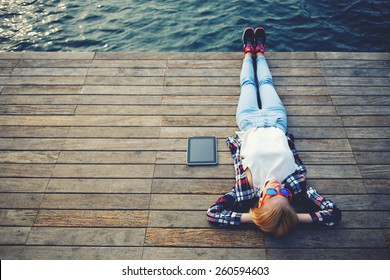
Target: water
{"x": 195, "y": 25}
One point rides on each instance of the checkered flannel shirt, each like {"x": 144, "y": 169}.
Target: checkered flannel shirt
{"x": 228, "y": 209}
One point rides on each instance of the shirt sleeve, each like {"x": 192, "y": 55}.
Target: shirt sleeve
{"x": 324, "y": 211}
{"x": 222, "y": 212}
{"x": 243, "y": 190}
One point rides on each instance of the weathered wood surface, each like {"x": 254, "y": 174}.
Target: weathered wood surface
{"x": 93, "y": 146}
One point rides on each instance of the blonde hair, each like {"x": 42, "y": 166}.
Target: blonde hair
{"x": 279, "y": 220}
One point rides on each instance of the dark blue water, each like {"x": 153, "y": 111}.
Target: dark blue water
{"x": 195, "y": 25}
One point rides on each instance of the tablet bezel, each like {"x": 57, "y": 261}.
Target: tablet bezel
{"x": 215, "y": 152}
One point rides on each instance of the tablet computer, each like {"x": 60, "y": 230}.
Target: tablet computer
{"x": 202, "y": 150}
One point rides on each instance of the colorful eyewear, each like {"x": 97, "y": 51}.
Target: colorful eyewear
{"x": 275, "y": 192}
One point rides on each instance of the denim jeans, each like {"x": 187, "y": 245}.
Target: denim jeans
{"x": 272, "y": 112}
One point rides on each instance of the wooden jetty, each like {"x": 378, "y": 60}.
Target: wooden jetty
{"x": 93, "y": 146}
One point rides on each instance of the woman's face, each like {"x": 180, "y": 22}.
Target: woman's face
{"x": 273, "y": 201}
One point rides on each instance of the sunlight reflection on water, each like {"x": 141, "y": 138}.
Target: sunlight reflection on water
{"x": 193, "y": 25}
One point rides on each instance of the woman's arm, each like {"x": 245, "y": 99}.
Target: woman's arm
{"x": 221, "y": 212}
{"x": 304, "y": 218}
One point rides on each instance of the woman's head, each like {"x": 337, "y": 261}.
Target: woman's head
{"x": 274, "y": 214}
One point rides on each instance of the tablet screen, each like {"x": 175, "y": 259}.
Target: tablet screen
{"x": 202, "y": 150}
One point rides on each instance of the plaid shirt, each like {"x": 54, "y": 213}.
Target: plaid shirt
{"x": 228, "y": 209}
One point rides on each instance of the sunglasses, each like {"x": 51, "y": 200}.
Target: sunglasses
{"x": 275, "y": 192}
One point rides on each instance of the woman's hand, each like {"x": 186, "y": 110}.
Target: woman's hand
{"x": 246, "y": 218}
{"x": 304, "y": 218}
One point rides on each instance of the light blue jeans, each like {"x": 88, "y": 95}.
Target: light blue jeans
{"x": 272, "y": 112}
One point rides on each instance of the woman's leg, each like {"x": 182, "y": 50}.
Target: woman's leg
{"x": 270, "y": 101}
{"x": 247, "y": 104}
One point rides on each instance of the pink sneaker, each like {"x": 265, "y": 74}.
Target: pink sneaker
{"x": 248, "y": 37}
{"x": 259, "y": 40}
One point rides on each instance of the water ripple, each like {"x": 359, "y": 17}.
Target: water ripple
{"x": 194, "y": 25}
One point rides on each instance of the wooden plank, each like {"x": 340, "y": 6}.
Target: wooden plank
{"x": 34, "y": 99}
{"x": 10, "y": 252}
{"x": 32, "y": 144}
{"x": 13, "y": 235}
{"x": 356, "y": 81}
{"x": 173, "y": 253}
{"x": 328, "y": 254}
{"x": 80, "y": 120}
{"x": 8, "y": 62}
{"x": 36, "y": 72}
{"x": 377, "y": 186}
{"x": 29, "y": 157}
{"x": 106, "y": 157}
{"x": 86, "y": 236}
{"x": 125, "y": 90}
{"x": 129, "y": 63}
{"x": 58, "y": 55}
{"x": 385, "y": 221}
{"x": 372, "y": 157}
{"x": 182, "y": 202}
{"x": 110, "y": 144}
{"x": 204, "y": 238}
{"x": 81, "y": 253}
{"x": 375, "y": 171}
{"x": 176, "y": 219}
{"x": 5, "y": 71}
{"x": 358, "y": 91}
{"x": 20, "y": 200}
{"x": 42, "y": 80}
{"x": 101, "y": 201}
{"x": 362, "y": 100}
{"x": 125, "y": 72}
{"x": 33, "y": 131}
{"x": 134, "y": 81}
{"x": 16, "y": 217}
{"x": 114, "y": 132}
{"x": 362, "y": 110}
{"x": 146, "y": 56}
{"x": 355, "y": 64}
{"x": 373, "y": 145}
{"x": 100, "y": 171}
{"x": 366, "y": 121}
{"x": 380, "y": 202}
{"x": 352, "y": 56}
{"x": 367, "y": 132}
{"x": 37, "y": 109}
{"x": 89, "y": 218}
{"x": 84, "y": 185}
{"x": 23, "y": 185}
{"x": 192, "y": 186}
{"x": 55, "y": 63}
{"x": 333, "y": 238}
{"x": 119, "y": 100}
{"x": 351, "y": 72}
{"x": 39, "y": 89}
{"x": 26, "y": 170}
